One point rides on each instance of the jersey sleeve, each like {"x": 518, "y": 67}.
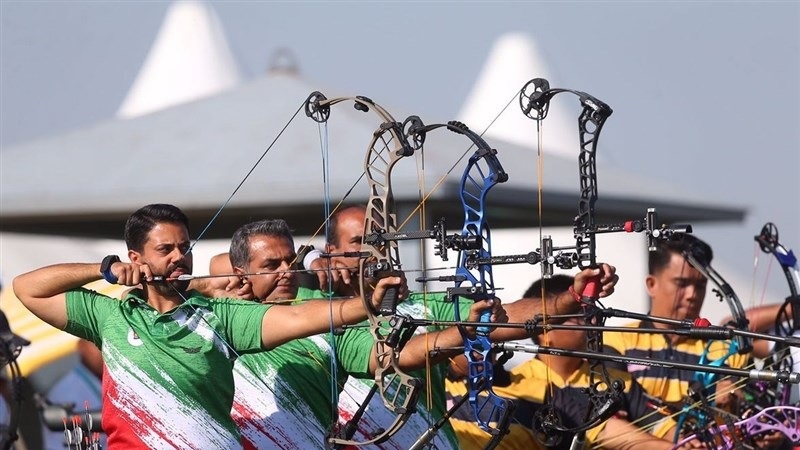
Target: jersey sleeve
{"x": 86, "y": 311}
{"x": 242, "y": 322}
{"x": 353, "y": 348}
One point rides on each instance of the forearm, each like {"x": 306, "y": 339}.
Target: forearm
{"x": 42, "y": 290}
{"x": 283, "y": 323}
{"x": 762, "y": 319}
{"x": 53, "y": 280}
{"x": 429, "y": 348}
{"x": 527, "y": 308}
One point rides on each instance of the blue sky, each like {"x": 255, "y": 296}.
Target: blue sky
{"x": 706, "y": 95}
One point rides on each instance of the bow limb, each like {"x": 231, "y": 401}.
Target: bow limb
{"x": 726, "y": 292}
{"x": 783, "y": 419}
{"x": 739, "y": 344}
{"x": 483, "y": 172}
{"x": 604, "y": 393}
{"x": 399, "y": 390}
{"x": 787, "y": 321}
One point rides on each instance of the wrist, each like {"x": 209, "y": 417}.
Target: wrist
{"x": 575, "y": 295}
{"x": 567, "y": 303}
{"x": 105, "y": 268}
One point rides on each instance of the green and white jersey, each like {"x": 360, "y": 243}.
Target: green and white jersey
{"x": 378, "y": 417}
{"x": 283, "y": 397}
{"x": 167, "y": 378}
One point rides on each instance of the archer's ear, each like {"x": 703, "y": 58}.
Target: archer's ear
{"x": 239, "y": 271}
{"x": 650, "y": 283}
{"x": 134, "y": 256}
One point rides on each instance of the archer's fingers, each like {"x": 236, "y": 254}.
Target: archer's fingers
{"x": 499, "y": 313}
{"x": 232, "y": 283}
{"x": 344, "y": 276}
{"x": 246, "y": 292}
{"x": 322, "y": 276}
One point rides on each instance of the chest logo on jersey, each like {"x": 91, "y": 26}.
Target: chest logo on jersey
{"x": 134, "y": 338}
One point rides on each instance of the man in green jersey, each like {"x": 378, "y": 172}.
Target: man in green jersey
{"x": 168, "y": 353}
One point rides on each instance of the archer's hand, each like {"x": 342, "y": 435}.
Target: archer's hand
{"x": 130, "y": 274}
{"x": 498, "y": 314}
{"x": 608, "y": 279}
{"x": 340, "y": 276}
{"x": 223, "y": 287}
{"x": 396, "y": 280}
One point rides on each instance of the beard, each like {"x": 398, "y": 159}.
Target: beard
{"x": 171, "y": 287}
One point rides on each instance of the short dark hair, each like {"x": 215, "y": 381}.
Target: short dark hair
{"x": 553, "y": 286}
{"x": 333, "y": 230}
{"x": 659, "y": 259}
{"x": 145, "y": 218}
{"x": 240, "y": 243}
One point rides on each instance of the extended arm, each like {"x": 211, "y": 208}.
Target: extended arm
{"x": 527, "y": 308}
{"x": 443, "y": 344}
{"x": 282, "y": 323}
{"x": 620, "y": 434}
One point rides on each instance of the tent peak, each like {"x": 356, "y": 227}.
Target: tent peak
{"x": 190, "y": 59}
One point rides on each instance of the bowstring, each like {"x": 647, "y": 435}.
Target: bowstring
{"x": 241, "y": 183}
{"x": 419, "y": 157}
{"x": 326, "y": 203}
{"x": 540, "y": 212}
{"x": 442, "y": 179}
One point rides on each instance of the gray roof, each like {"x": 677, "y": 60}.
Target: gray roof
{"x": 194, "y": 155}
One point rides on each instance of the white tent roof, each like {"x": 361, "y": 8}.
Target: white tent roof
{"x": 194, "y": 155}
{"x": 190, "y": 59}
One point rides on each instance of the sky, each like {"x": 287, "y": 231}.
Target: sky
{"x": 706, "y": 95}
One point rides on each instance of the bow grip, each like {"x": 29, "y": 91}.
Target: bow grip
{"x": 486, "y": 317}
{"x": 389, "y": 302}
{"x": 592, "y": 289}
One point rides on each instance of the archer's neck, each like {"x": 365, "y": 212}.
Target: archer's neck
{"x": 162, "y": 301}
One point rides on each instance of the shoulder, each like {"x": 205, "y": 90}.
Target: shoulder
{"x": 532, "y": 368}
{"x": 227, "y": 306}
{"x": 86, "y": 301}
{"x": 84, "y": 293}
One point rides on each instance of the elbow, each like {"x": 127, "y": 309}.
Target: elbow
{"x": 18, "y": 287}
